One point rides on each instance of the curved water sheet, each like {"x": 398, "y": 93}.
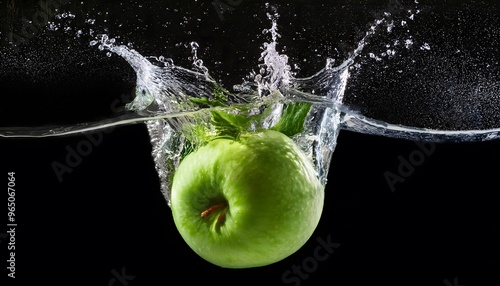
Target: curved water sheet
{"x": 400, "y": 77}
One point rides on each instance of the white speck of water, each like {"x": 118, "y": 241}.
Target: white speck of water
{"x": 408, "y": 43}
{"x": 390, "y": 26}
{"x": 373, "y": 56}
{"x": 425, "y": 46}
{"x": 53, "y": 26}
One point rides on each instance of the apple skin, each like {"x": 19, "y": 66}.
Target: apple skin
{"x": 260, "y": 195}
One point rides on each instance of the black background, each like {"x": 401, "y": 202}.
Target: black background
{"x": 108, "y": 214}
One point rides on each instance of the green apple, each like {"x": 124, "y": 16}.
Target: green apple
{"x": 246, "y": 202}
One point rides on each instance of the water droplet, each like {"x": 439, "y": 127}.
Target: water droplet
{"x": 390, "y": 26}
{"x": 168, "y": 62}
{"x": 330, "y": 63}
{"x": 53, "y": 26}
{"x": 425, "y": 46}
{"x": 408, "y": 43}
{"x": 198, "y": 63}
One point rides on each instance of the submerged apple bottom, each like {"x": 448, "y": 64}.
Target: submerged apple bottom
{"x": 248, "y": 202}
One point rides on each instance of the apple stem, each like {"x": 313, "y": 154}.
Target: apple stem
{"x": 222, "y": 216}
{"x": 212, "y": 209}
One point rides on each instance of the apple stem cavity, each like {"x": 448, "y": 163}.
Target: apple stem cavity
{"x": 221, "y": 217}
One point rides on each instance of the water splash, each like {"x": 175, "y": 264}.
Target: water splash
{"x": 169, "y": 96}
{"x": 162, "y": 87}
{"x": 275, "y": 72}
